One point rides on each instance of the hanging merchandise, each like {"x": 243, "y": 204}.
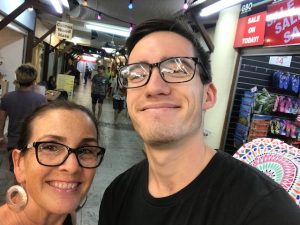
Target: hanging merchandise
{"x": 264, "y": 102}
{"x": 286, "y": 81}
{"x": 294, "y": 84}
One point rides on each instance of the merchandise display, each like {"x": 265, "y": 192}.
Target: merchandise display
{"x": 277, "y": 159}
{"x": 264, "y": 114}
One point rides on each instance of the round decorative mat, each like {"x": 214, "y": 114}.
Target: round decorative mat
{"x": 275, "y": 158}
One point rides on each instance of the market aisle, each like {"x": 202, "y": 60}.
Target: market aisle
{"x": 123, "y": 149}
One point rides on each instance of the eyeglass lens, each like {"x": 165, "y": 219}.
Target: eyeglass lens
{"x": 53, "y": 154}
{"x": 173, "y": 70}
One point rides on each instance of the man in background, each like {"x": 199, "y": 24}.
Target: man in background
{"x": 99, "y": 90}
{"x": 16, "y": 105}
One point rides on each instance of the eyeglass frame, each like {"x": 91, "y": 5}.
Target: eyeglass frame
{"x": 157, "y": 64}
{"x": 36, "y": 144}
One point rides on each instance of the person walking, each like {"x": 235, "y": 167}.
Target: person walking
{"x": 99, "y": 90}
{"x": 17, "y": 104}
{"x": 183, "y": 181}
{"x": 118, "y": 95}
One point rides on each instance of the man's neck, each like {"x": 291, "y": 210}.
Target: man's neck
{"x": 170, "y": 170}
{"x": 26, "y": 88}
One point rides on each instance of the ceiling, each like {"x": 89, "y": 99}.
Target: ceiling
{"x": 114, "y": 12}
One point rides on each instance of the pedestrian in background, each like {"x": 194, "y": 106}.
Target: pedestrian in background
{"x": 99, "y": 90}
{"x": 16, "y": 105}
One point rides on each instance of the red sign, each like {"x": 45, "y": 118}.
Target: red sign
{"x": 250, "y": 30}
{"x": 283, "y": 23}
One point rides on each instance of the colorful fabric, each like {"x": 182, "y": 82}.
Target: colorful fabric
{"x": 277, "y": 159}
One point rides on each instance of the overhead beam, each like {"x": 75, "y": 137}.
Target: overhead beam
{"x": 192, "y": 18}
{"x": 14, "y": 14}
{"x": 51, "y": 30}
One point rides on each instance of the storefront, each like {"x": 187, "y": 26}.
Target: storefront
{"x": 265, "y": 91}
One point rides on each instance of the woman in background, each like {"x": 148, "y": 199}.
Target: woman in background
{"x": 52, "y": 180}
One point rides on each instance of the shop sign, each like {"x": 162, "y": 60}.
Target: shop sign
{"x": 64, "y": 30}
{"x": 283, "y": 23}
{"x": 251, "y": 7}
{"x": 65, "y": 82}
{"x": 281, "y": 60}
{"x": 251, "y": 30}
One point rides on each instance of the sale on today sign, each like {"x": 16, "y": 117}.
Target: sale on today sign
{"x": 283, "y": 23}
{"x": 251, "y": 30}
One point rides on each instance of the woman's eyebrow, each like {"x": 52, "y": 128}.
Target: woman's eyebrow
{"x": 52, "y": 137}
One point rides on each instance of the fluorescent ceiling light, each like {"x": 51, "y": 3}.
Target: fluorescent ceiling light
{"x": 57, "y": 6}
{"x": 281, "y": 14}
{"x": 65, "y": 3}
{"x": 108, "y": 50}
{"x": 198, "y": 2}
{"x": 88, "y": 58}
{"x": 96, "y": 55}
{"x": 121, "y": 31}
{"x": 218, "y": 6}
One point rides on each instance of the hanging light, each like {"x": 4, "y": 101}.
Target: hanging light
{"x": 130, "y": 27}
{"x": 130, "y": 5}
{"x": 185, "y": 5}
{"x": 99, "y": 17}
{"x": 85, "y": 3}
{"x": 30, "y": 8}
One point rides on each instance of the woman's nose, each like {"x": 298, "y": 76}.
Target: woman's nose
{"x": 71, "y": 164}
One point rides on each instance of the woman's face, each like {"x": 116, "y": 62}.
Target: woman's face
{"x": 58, "y": 189}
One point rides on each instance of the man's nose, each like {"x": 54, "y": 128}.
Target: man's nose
{"x": 156, "y": 84}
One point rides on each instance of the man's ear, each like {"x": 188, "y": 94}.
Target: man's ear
{"x": 19, "y": 168}
{"x": 209, "y": 96}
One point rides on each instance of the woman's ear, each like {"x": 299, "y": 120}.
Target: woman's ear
{"x": 209, "y": 96}
{"x": 19, "y": 168}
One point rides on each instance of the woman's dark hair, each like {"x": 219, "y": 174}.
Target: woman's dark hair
{"x": 26, "y": 129}
{"x": 156, "y": 25}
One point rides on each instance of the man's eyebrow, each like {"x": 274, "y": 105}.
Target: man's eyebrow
{"x": 162, "y": 59}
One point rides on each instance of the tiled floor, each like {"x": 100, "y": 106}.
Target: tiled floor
{"x": 123, "y": 149}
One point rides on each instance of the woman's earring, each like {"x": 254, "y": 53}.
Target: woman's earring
{"x": 81, "y": 204}
{"x": 16, "y": 198}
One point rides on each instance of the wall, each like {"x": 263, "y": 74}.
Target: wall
{"x": 223, "y": 62}
{"x": 11, "y": 53}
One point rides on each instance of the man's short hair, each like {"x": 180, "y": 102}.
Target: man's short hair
{"x": 26, "y": 74}
{"x": 155, "y": 25}
{"x": 101, "y": 67}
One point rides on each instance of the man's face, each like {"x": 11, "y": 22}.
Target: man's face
{"x": 100, "y": 70}
{"x": 161, "y": 112}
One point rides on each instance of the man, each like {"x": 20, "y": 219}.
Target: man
{"x": 183, "y": 181}
{"x": 99, "y": 90}
{"x": 17, "y": 104}
{"x": 118, "y": 94}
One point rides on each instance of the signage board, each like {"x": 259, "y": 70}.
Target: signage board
{"x": 64, "y": 30}
{"x": 283, "y": 23}
{"x": 251, "y": 7}
{"x": 65, "y": 82}
{"x": 251, "y": 30}
{"x": 281, "y": 60}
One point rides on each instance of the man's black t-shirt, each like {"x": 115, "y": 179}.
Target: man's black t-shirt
{"x": 227, "y": 192}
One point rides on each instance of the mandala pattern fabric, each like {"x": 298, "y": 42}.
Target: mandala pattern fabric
{"x": 277, "y": 159}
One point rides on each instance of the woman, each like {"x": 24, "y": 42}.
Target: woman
{"x": 54, "y": 179}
